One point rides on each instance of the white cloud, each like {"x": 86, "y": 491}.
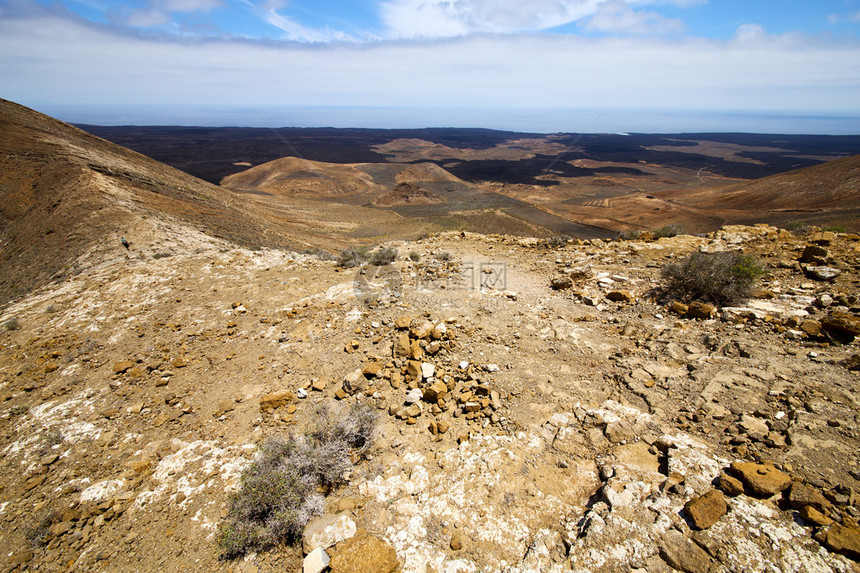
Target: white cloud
{"x": 157, "y": 13}
{"x": 296, "y": 32}
{"x": 449, "y": 18}
{"x": 51, "y": 57}
{"x": 445, "y": 18}
{"x": 617, "y": 16}
{"x": 855, "y": 16}
{"x": 750, "y": 33}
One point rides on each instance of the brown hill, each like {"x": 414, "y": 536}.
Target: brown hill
{"x": 66, "y": 194}
{"x": 295, "y": 177}
{"x": 407, "y": 194}
{"x": 829, "y": 192}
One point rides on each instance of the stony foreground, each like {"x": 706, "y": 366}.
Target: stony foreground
{"x": 540, "y": 411}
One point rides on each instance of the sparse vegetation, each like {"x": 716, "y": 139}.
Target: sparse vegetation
{"x": 161, "y": 255}
{"x": 556, "y": 242}
{"x": 796, "y": 226}
{"x": 12, "y": 324}
{"x": 668, "y": 231}
{"x": 720, "y": 278}
{"x": 443, "y": 256}
{"x": 835, "y": 228}
{"x": 321, "y": 254}
{"x": 37, "y": 534}
{"x": 280, "y": 490}
{"x": 628, "y": 235}
{"x": 383, "y": 256}
{"x": 18, "y": 410}
{"x": 414, "y": 256}
{"x": 352, "y": 257}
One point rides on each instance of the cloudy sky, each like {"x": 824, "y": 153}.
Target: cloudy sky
{"x": 530, "y": 65}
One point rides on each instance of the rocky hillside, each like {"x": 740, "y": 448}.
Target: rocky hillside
{"x": 67, "y": 198}
{"x": 540, "y": 408}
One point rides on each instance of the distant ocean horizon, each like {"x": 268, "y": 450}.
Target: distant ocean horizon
{"x": 520, "y": 120}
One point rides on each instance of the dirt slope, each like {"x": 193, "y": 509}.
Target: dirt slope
{"x": 65, "y": 193}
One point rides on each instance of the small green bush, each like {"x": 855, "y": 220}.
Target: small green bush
{"x": 720, "y": 278}
{"x": 383, "y": 256}
{"x": 835, "y": 228}
{"x": 414, "y": 256}
{"x": 443, "y": 256}
{"x": 352, "y": 257}
{"x": 796, "y": 226}
{"x": 12, "y": 324}
{"x": 279, "y": 491}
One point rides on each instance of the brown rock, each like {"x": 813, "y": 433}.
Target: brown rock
{"x": 420, "y": 328}
{"x": 456, "y": 541}
{"x": 841, "y": 323}
{"x": 811, "y": 327}
{"x": 683, "y": 554}
{"x": 276, "y": 400}
{"x": 20, "y": 558}
{"x": 814, "y": 516}
{"x": 620, "y": 296}
{"x": 402, "y": 322}
{"x": 707, "y": 509}
{"x": 561, "y": 283}
{"x": 346, "y": 504}
{"x": 678, "y": 307}
{"x": 852, "y": 362}
{"x": 415, "y": 350}
{"x": 225, "y": 406}
{"x": 435, "y": 391}
{"x": 318, "y": 385}
{"x": 50, "y": 367}
{"x": 401, "y": 345}
{"x": 121, "y": 366}
{"x": 363, "y": 553}
{"x": 823, "y": 238}
{"x": 841, "y": 539}
{"x": 762, "y": 480}
{"x": 180, "y": 362}
{"x": 729, "y": 485}
{"x": 355, "y": 382}
{"x": 701, "y": 310}
{"x": 814, "y": 254}
{"x": 372, "y": 369}
{"x": 801, "y": 495}
{"x": 413, "y": 370}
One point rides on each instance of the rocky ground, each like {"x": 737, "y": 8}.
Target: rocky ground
{"x": 540, "y": 408}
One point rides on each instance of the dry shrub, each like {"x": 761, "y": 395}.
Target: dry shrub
{"x": 720, "y": 278}
{"x": 279, "y": 491}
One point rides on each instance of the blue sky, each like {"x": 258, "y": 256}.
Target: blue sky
{"x": 538, "y": 65}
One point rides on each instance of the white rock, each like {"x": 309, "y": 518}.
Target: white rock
{"x": 491, "y": 367}
{"x": 326, "y": 530}
{"x": 316, "y": 561}
{"x": 427, "y": 370}
{"x": 302, "y": 393}
{"x": 414, "y": 395}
